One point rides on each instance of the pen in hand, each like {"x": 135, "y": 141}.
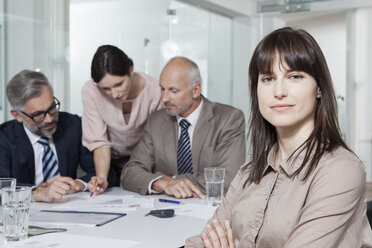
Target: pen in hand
{"x": 94, "y": 189}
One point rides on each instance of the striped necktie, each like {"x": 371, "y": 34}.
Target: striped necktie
{"x": 49, "y": 160}
{"x": 184, "y": 159}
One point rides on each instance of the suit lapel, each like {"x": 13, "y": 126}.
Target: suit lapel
{"x": 25, "y": 152}
{"x": 201, "y": 131}
{"x": 60, "y": 149}
{"x": 170, "y": 134}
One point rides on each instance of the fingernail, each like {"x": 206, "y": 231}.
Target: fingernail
{"x": 215, "y": 221}
{"x": 209, "y": 226}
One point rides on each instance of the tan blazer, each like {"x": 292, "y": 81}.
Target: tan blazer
{"x": 218, "y": 140}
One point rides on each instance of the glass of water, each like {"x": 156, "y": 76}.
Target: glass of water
{"x": 5, "y": 182}
{"x": 214, "y": 181}
{"x": 16, "y": 208}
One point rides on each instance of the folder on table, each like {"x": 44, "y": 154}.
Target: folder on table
{"x": 80, "y": 218}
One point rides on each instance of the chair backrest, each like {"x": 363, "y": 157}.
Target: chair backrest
{"x": 369, "y": 212}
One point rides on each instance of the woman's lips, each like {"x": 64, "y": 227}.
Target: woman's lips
{"x": 282, "y": 107}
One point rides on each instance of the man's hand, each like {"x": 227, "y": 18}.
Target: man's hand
{"x": 101, "y": 185}
{"x": 177, "y": 187}
{"x": 56, "y": 187}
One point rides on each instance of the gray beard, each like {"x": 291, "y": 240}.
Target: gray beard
{"x": 38, "y": 131}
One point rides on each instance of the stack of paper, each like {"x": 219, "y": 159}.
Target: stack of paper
{"x": 106, "y": 203}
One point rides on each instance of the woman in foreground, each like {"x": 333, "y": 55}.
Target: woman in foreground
{"x": 302, "y": 187}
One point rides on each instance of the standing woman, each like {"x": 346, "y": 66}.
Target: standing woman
{"x": 302, "y": 187}
{"x": 117, "y": 102}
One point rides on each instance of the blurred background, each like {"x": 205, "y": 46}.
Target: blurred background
{"x": 59, "y": 38}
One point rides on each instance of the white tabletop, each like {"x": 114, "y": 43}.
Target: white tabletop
{"x": 150, "y": 231}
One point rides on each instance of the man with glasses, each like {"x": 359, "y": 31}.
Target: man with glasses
{"x": 42, "y": 146}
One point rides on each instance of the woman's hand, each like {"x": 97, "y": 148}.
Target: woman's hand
{"x": 101, "y": 185}
{"x": 218, "y": 237}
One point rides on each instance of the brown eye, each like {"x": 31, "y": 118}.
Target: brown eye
{"x": 266, "y": 79}
{"x": 118, "y": 84}
{"x": 296, "y": 76}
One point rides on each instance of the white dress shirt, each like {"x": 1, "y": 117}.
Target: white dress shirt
{"x": 38, "y": 156}
{"x": 193, "y": 119}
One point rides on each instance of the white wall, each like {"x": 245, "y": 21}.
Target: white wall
{"x": 220, "y": 58}
{"x": 234, "y": 8}
{"x": 242, "y": 52}
{"x": 330, "y": 31}
{"x": 363, "y": 87}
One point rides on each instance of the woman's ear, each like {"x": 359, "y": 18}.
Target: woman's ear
{"x": 131, "y": 71}
{"x": 318, "y": 93}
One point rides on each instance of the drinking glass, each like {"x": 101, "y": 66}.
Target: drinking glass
{"x": 214, "y": 181}
{"x": 5, "y": 182}
{"x": 16, "y": 208}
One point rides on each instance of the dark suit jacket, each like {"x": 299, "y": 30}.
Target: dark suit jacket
{"x": 218, "y": 141}
{"x": 17, "y": 155}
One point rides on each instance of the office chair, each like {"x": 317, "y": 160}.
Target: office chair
{"x": 369, "y": 212}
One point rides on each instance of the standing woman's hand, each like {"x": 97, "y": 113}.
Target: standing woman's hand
{"x": 218, "y": 237}
{"x": 101, "y": 185}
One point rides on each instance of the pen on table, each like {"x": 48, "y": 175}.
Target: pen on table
{"x": 94, "y": 189}
{"x": 169, "y": 201}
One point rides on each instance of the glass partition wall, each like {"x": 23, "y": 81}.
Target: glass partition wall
{"x": 59, "y": 38}
{"x": 34, "y": 37}
{"x": 2, "y": 65}
{"x": 151, "y": 32}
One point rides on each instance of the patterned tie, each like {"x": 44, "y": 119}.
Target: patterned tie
{"x": 184, "y": 159}
{"x": 50, "y": 165}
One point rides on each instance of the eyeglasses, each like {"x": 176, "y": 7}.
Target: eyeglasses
{"x": 39, "y": 116}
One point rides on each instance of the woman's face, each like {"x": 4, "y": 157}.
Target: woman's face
{"x": 287, "y": 99}
{"x": 116, "y": 87}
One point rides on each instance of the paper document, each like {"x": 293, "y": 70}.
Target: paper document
{"x": 106, "y": 203}
{"x": 195, "y": 210}
{"x": 78, "y": 218}
{"x": 61, "y": 240}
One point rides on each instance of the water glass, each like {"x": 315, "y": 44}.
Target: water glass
{"x": 16, "y": 208}
{"x": 5, "y": 182}
{"x": 214, "y": 181}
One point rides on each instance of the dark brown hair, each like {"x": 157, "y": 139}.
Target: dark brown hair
{"x": 111, "y": 60}
{"x": 300, "y": 52}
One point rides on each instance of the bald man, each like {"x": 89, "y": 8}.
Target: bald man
{"x": 191, "y": 133}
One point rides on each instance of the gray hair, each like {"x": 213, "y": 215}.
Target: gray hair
{"x": 25, "y": 85}
{"x": 194, "y": 72}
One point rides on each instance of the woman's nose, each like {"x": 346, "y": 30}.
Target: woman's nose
{"x": 280, "y": 89}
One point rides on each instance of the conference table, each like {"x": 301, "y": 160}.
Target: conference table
{"x": 133, "y": 230}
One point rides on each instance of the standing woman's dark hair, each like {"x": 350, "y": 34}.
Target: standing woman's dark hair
{"x": 117, "y": 102}
{"x": 111, "y": 60}
{"x": 300, "y": 52}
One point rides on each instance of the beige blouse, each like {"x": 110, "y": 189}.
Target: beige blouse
{"x": 103, "y": 120}
{"x": 327, "y": 210}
